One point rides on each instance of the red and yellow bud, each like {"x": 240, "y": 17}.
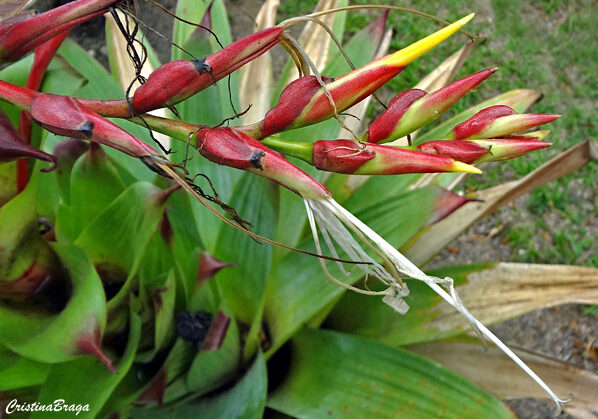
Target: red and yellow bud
{"x": 346, "y": 156}
{"x": 316, "y": 105}
{"x": 22, "y": 33}
{"x": 479, "y": 151}
{"x": 498, "y": 121}
{"x": 230, "y": 147}
{"x": 403, "y": 117}
{"x": 63, "y": 115}
{"x": 177, "y": 80}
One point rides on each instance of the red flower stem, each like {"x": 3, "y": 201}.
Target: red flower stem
{"x": 43, "y": 55}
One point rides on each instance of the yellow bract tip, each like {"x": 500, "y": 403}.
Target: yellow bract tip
{"x": 465, "y": 168}
{"x": 419, "y": 48}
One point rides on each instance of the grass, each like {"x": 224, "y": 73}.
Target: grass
{"x": 547, "y": 45}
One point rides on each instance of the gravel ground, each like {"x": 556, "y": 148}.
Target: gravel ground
{"x": 555, "y": 332}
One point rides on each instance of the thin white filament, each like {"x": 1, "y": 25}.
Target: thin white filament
{"x": 364, "y": 267}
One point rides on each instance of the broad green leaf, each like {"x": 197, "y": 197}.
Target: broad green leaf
{"x": 86, "y": 380}
{"x": 22, "y": 373}
{"x": 61, "y": 78}
{"x": 368, "y": 317}
{"x": 186, "y": 242}
{"x": 137, "y": 209}
{"x": 123, "y": 244}
{"x": 7, "y": 358}
{"x": 243, "y": 285}
{"x": 193, "y": 12}
{"x": 177, "y": 365}
{"x": 399, "y": 217}
{"x": 246, "y": 399}
{"x": 337, "y": 375}
{"x": 8, "y": 181}
{"x": 95, "y": 183}
{"x": 210, "y": 107}
{"x": 164, "y": 299}
{"x": 377, "y": 190}
{"x": 20, "y": 241}
{"x": 294, "y": 295}
{"x": 85, "y": 313}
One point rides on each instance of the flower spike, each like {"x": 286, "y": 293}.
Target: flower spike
{"x": 63, "y": 115}
{"x": 22, "y": 33}
{"x": 318, "y": 103}
{"x": 344, "y": 156}
{"x": 233, "y": 148}
{"x": 403, "y": 117}
{"x": 479, "y": 151}
{"x": 175, "y": 81}
{"x": 498, "y": 121}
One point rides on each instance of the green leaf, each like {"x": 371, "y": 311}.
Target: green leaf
{"x": 193, "y": 12}
{"x": 337, "y": 375}
{"x": 23, "y": 373}
{"x": 86, "y": 380}
{"x": 247, "y": 399}
{"x": 8, "y": 181}
{"x": 95, "y": 183}
{"x": 138, "y": 210}
{"x": 85, "y": 313}
{"x": 15, "y": 73}
{"x": 209, "y": 107}
{"x": 164, "y": 308}
{"x": 243, "y": 285}
{"x": 20, "y": 241}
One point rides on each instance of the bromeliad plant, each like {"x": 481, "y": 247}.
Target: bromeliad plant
{"x": 104, "y": 257}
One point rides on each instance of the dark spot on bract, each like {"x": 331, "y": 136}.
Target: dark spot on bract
{"x": 201, "y": 66}
{"x": 86, "y": 129}
{"x": 256, "y": 159}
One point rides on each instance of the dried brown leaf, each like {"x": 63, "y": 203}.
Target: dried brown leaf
{"x": 256, "y": 77}
{"x": 441, "y": 234}
{"x": 315, "y": 40}
{"x": 491, "y": 370}
{"x": 508, "y": 290}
